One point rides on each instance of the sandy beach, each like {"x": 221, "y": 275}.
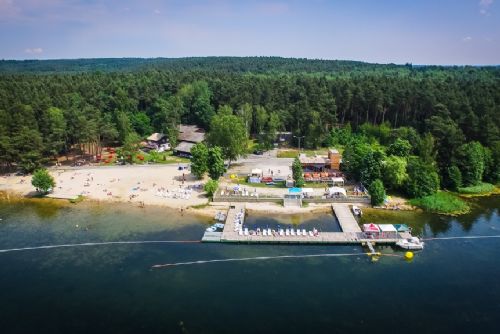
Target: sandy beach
{"x": 149, "y": 185}
{"x": 138, "y": 185}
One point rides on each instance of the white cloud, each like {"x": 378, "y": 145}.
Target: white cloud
{"x": 33, "y": 50}
{"x": 484, "y": 6}
{"x": 467, "y": 39}
{"x": 157, "y": 11}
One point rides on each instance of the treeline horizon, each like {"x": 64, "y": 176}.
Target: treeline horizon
{"x": 45, "y": 114}
{"x": 254, "y": 64}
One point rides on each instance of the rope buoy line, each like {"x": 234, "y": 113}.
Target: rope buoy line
{"x": 464, "y": 237}
{"x": 265, "y": 258}
{"x": 101, "y": 244}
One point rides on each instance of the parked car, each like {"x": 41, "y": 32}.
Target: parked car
{"x": 258, "y": 152}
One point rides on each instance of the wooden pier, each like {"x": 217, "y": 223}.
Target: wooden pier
{"x": 346, "y": 219}
{"x": 351, "y": 232}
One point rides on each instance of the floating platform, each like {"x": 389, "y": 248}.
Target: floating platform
{"x": 211, "y": 236}
{"x": 351, "y": 232}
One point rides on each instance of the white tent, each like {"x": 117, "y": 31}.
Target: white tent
{"x": 387, "y": 228}
{"x": 387, "y": 231}
{"x": 338, "y": 180}
{"x": 256, "y": 172}
{"x": 337, "y": 190}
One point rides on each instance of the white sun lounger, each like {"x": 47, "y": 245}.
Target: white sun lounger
{"x": 264, "y": 232}
{"x": 287, "y": 232}
{"x": 246, "y": 231}
{"x": 282, "y": 233}
{"x": 311, "y": 234}
{"x": 304, "y": 232}
{"x": 269, "y": 232}
{"x": 292, "y": 232}
{"x": 240, "y": 232}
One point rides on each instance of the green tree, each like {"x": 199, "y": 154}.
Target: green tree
{"x": 371, "y": 166}
{"x": 423, "y": 179}
{"x": 400, "y": 148}
{"x": 123, "y": 125}
{"x": 394, "y": 171}
{"x": 43, "y": 181}
{"x": 261, "y": 118}
{"x": 211, "y": 187}
{"x": 454, "y": 178}
{"x": 352, "y": 158}
{"x": 377, "y": 192}
{"x": 228, "y": 132}
{"x": 469, "y": 158}
{"x": 340, "y": 136}
{"x": 215, "y": 163}
{"x": 199, "y": 160}
{"x": 298, "y": 173}
{"x": 55, "y": 136}
{"x": 130, "y": 147}
{"x": 246, "y": 113}
{"x": 426, "y": 149}
{"x": 196, "y": 103}
{"x": 141, "y": 123}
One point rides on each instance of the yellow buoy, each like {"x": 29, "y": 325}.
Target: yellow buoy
{"x": 409, "y": 255}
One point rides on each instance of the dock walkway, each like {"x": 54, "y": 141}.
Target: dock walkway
{"x": 351, "y": 233}
{"x": 346, "y": 219}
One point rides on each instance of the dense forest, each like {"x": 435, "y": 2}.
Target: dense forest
{"x": 48, "y": 107}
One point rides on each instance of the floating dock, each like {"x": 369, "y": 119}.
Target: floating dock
{"x": 351, "y": 232}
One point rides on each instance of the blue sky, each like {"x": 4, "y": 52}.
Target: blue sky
{"x": 384, "y": 31}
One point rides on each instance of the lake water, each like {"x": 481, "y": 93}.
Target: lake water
{"x": 453, "y": 286}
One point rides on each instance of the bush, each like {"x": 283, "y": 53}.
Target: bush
{"x": 441, "y": 202}
{"x": 377, "y": 192}
{"x": 43, "y": 181}
{"x": 482, "y": 188}
{"x": 211, "y": 187}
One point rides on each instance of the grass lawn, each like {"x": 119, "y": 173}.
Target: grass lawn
{"x": 442, "y": 203}
{"x": 480, "y": 189}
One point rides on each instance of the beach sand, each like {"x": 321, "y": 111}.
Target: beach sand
{"x": 140, "y": 185}
{"x": 134, "y": 184}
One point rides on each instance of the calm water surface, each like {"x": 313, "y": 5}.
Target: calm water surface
{"x": 453, "y": 286}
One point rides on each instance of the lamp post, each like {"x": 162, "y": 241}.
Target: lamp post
{"x": 299, "y": 138}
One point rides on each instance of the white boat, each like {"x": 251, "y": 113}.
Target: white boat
{"x": 219, "y": 225}
{"x": 412, "y": 243}
{"x": 220, "y": 216}
{"x": 211, "y": 229}
{"x": 357, "y": 211}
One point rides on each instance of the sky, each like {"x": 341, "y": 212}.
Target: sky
{"x": 441, "y": 32}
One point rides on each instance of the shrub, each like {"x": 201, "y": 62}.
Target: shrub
{"x": 441, "y": 202}
{"x": 211, "y": 187}
{"x": 43, "y": 181}
{"x": 377, "y": 192}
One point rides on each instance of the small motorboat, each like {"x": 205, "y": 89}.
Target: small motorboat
{"x": 211, "y": 229}
{"x": 219, "y": 225}
{"x": 220, "y": 216}
{"x": 412, "y": 243}
{"x": 357, "y": 211}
